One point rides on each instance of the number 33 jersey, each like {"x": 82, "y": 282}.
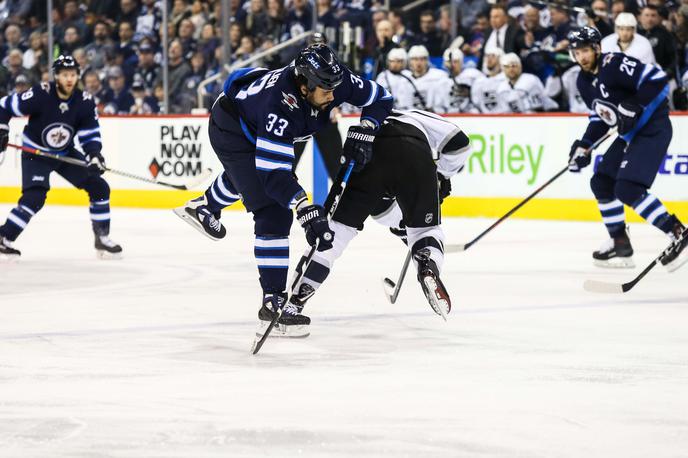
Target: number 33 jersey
{"x": 54, "y": 123}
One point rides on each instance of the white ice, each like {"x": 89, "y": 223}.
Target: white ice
{"x": 149, "y": 356}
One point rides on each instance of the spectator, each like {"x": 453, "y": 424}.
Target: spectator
{"x": 93, "y": 86}
{"x": 536, "y": 37}
{"x": 15, "y": 60}
{"x": 117, "y": 99}
{"x": 13, "y": 39}
{"x": 179, "y": 70}
{"x": 73, "y": 18}
{"x": 21, "y": 84}
{"x": 561, "y": 25}
{"x": 444, "y": 27}
{"x": 186, "y": 37}
{"x": 327, "y": 24}
{"x": 208, "y": 42}
{"x": 299, "y": 18}
{"x": 71, "y": 40}
{"x": 429, "y": 36}
{"x": 502, "y": 35}
{"x": 402, "y": 35}
{"x": 147, "y": 70}
{"x": 276, "y": 20}
{"x": 235, "y": 34}
{"x": 469, "y": 10}
{"x": 143, "y": 104}
{"x": 626, "y": 40}
{"x": 80, "y": 57}
{"x": 661, "y": 40}
{"x": 601, "y": 18}
{"x": 35, "y": 56}
{"x": 256, "y": 20}
{"x": 4, "y": 81}
{"x": 101, "y": 44}
{"x": 126, "y": 44}
{"x": 148, "y": 21}
{"x": 198, "y": 17}
{"x": 476, "y": 37}
{"x": 129, "y": 11}
{"x": 384, "y": 34}
{"x": 245, "y": 49}
{"x": 159, "y": 94}
{"x": 618, "y": 6}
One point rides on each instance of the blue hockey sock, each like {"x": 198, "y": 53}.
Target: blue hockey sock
{"x": 272, "y": 257}
{"x": 17, "y": 221}
{"x": 613, "y": 216}
{"x": 654, "y": 212}
{"x": 221, "y": 194}
{"x": 100, "y": 216}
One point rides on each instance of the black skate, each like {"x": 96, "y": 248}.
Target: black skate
{"x": 676, "y": 255}
{"x": 615, "y": 253}
{"x": 196, "y": 213}
{"x": 106, "y": 248}
{"x": 7, "y": 252}
{"x": 433, "y": 288}
{"x": 290, "y": 324}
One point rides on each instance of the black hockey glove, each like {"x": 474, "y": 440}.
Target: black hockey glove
{"x": 314, "y": 221}
{"x": 578, "y": 156}
{"x": 444, "y": 186}
{"x": 96, "y": 164}
{"x": 629, "y": 113}
{"x": 4, "y": 139}
{"x": 359, "y": 146}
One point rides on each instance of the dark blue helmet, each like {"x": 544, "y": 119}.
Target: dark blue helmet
{"x": 585, "y": 36}
{"x": 319, "y": 65}
{"x": 64, "y": 62}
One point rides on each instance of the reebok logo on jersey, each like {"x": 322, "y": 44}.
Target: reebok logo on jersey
{"x": 38, "y": 178}
{"x": 290, "y": 101}
{"x": 362, "y": 137}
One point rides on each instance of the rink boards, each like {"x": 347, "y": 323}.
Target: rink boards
{"x": 512, "y": 156}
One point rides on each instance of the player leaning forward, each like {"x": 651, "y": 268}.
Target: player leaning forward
{"x": 622, "y": 91}
{"x": 253, "y": 126}
{"x": 415, "y": 154}
{"x": 57, "y": 113}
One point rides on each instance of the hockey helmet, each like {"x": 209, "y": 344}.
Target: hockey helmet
{"x": 509, "y": 59}
{"x": 319, "y": 65}
{"x": 65, "y": 62}
{"x": 626, "y": 20}
{"x": 452, "y": 55}
{"x": 418, "y": 52}
{"x": 585, "y": 36}
{"x": 397, "y": 54}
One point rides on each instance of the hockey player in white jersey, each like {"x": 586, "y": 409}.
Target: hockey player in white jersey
{"x": 521, "y": 92}
{"x": 627, "y": 40}
{"x": 415, "y": 155}
{"x": 571, "y": 92}
{"x": 460, "y": 82}
{"x": 484, "y": 91}
{"x": 398, "y": 80}
{"x": 428, "y": 80}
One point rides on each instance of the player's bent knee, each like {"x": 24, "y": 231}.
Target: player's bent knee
{"x": 629, "y": 192}
{"x": 33, "y": 198}
{"x": 97, "y": 188}
{"x": 602, "y": 186}
{"x": 273, "y": 220}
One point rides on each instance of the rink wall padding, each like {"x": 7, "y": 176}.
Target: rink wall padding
{"x": 512, "y": 156}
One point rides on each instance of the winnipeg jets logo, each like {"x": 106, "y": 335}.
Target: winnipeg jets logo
{"x": 606, "y": 111}
{"x": 57, "y": 135}
{"x": 290, "y": 101}
{"x": 63, "y": 107}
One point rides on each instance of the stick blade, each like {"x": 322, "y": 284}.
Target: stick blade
{"x": 388, "y": 285}
{"x": 602, "y": 287}
{"x": 199, "y": 180}
{"x": 455, "y": 248}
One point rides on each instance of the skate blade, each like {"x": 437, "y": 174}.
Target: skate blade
{"x": 438, "y": 302}
{"x": 283, "y": 331}
{"x": 193, "y": 222}
{"x": 9, "y": 258}
{"x": 107, "y": 256}
{"x": 615, "y": 263}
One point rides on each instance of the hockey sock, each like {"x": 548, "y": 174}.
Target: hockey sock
{"x": 613, "y": 216}
{"x": 654, "y": 212}
{"x": 272, "y": 257}
{"x": 16, "y": 222}
{"x": 100, "y": 216}
{"x": 221, "y": 194}
{"x": 431, "y": 238}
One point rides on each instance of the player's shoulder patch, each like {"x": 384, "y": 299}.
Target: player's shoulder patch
{"x": 290, "y": 101}
{"x": 608, "y": 58}
{"x": 86, "y": 95}
{"x": 45, "y": 86}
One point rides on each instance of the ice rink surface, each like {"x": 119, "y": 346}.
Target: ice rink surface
{"x": 149, "y": 356}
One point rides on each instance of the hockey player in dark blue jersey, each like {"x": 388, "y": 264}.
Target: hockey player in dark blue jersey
{"x": 621, "y": 91}
{"x": 252, "y": 128}
{"x": 58, "y": 113}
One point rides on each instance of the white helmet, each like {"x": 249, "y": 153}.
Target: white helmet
{"x": 418, "y": 51}
{"x": 509, "y": 59}
{"x": 452, "y": 55}
{"x": 626, "y": 20}
{"x": 397, "y": 54}
{"x": 495, "y": 51}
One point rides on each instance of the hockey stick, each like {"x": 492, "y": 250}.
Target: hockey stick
{"x": 330, "y": 206}
{"x": 70, "y": 160}
{"x": 595, "y": 286}
{"x": 387, "y": 283}
{"x": 463, "y": 247}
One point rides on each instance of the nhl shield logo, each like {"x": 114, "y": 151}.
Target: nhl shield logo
{"x": 290, "y": 101}
{"x": 428, "y": 218}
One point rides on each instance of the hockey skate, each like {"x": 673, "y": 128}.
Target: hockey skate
{"x": 676, "y": 255}
{"x": 7, "y": 251}
{"x": 196, "y": 213}
{"x": 106, "y": 248}
{"x": 290, "y": 324}
{"x": 615, "y": 253}
{"x": 433, "y": 288}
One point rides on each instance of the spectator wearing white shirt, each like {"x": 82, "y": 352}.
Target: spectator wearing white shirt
{"x": 625, "y": 39}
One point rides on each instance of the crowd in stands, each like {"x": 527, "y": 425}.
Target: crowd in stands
{"x": 505, "y": 57}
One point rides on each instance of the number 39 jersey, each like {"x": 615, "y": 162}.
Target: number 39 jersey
{"x": 621, "y": 78}
{"x": 53, "y": 122}
{"x": 273, "y": 114}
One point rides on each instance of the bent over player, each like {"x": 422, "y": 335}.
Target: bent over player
{"x": 58, "y": 112}
{"x": 415, "y": 154}
{"x": 253, "y": 126}
{"x": 621, "y": 91}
